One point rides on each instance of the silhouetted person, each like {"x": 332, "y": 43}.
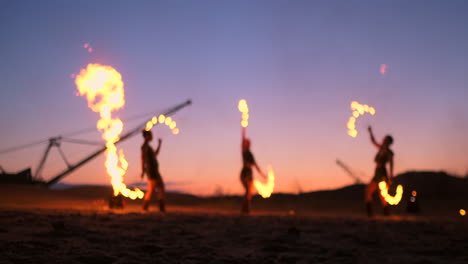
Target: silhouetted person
{"x": 150, "y": 167}
{"x": 384, "y": 156}
{"x": 246, "y": 176}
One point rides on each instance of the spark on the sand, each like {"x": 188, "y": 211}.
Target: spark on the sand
{"x": 265, "y": 189}
{"x": 104, "y": 90}
{"x": 462, "y": 212}
{"x": 163, "y": 120}
{"x": 383, "y": 69}
{"x": 392, "y": 200}
{"x": 358, "y": 110}
{"x": 244, "y": 109}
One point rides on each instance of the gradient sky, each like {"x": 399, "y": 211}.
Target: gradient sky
{"x": 299, "y": 64}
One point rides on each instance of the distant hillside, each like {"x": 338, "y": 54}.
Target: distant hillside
{"x": 428, "y": 184}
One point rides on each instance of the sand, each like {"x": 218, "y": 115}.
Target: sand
{"x": 39, "y": 228}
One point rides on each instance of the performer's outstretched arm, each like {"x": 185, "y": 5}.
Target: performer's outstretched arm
{"x": 372, "y": 137}
{"x": 159, "y": 147}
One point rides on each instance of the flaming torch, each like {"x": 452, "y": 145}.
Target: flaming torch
{"x": 244, "y": 109}
{"x": 264, "y": 189}
{"x": 104, "y": 89}
{"x": 358, "y": 110}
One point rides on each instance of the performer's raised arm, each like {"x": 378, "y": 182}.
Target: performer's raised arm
{"x": 142, "y": 163}
{"x": 372, "y": 137}
{"x": 156, "y": 153}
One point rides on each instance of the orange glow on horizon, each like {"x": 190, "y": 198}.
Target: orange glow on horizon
{"x": 104, "y": 91}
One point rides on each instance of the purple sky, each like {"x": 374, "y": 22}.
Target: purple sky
{"x": 299, "y": 64}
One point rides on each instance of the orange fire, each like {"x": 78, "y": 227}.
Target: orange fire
{"x": 104, "y": 90}
{"x": 162, "y": 119}
{"x": 266, "y": 189}
{"x": 358, "y": 110}
{"x": 244, "y": 109}
{"x": 392, "y": 200}
{"x": 462, "y": 212}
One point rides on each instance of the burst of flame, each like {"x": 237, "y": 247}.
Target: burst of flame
{"x": 104, "y": 90}
{"x": 244, "y": 109}
{"x": 392, "y": 200}
{"x": 162, "y": 119}
{"x": 358, "y": 110}
{"x": 266, "y": 189}
{"x": 462, "y": 212}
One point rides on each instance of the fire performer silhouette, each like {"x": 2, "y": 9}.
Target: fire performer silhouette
{"x": 246, "y": 173}
{"x": 384, "y": 156}
{"x": 150, "y": 166}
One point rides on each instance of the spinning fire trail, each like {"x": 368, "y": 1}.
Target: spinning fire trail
{"x": 264, "y": 189}
{"x": 358, "y": 110}
{"x": 104, "y": 90}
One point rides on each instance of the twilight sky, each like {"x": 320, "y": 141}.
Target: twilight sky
{"x": 299, "y": 64}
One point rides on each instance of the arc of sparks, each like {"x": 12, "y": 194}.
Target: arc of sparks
{"x": 266, "y": 189}
{"x": 358, "y": 110}
{"x": 392, "y": 200}
{"x": 162, "y": 119}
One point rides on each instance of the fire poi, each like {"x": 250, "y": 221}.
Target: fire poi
{"x": 392, "y": 200}
{"x": 104, "y": 89}
{"x": 358, "y": 110}
{"x": 264, "y": 189}
{"x": 162, "y": 119}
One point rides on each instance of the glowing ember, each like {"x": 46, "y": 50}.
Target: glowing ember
{"x": 163, "y": 120}
{"x": 265, "y": 189}
{"x": 104, "y": 90}
{"x": 358, "y": 110}
{"x": 462, "y": 212}
{"x": 88, "y": 47}
{"x": 244, "y": 109}
{"x": 383, "y": 69}
{"x": 392, "y": 200}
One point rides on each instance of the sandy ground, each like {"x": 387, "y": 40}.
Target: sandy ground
{"x": 45, "y": 231}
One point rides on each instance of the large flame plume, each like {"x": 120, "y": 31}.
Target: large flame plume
{"x": 104, "y": 89}
{"x": 266, "y": 189}
{"x": 165, "y": 120}
{"x": 358, "y": 110}
{"x": 392, "y": 200}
